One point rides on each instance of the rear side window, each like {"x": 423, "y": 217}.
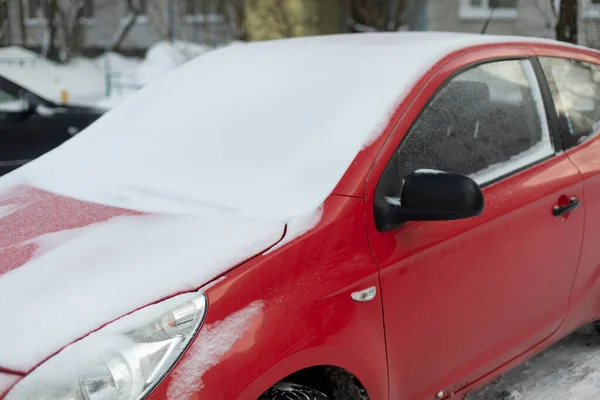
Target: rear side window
{"x": 486, "y": 122}
{"x": 575, "y": 87}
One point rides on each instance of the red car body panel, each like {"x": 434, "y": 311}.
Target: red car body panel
{"x": 516, "y": 275}
{"x": 308, "y": 316}
{"x": 38, "y": 212}
{"x": 462, "y": 272}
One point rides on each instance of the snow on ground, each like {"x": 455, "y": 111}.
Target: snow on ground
{"x": 570, "y": 370}
{"x": 85, "y": 78}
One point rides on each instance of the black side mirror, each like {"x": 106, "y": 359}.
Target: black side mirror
{"x": 429, "y": 195}
{"x": 32, "y": 103}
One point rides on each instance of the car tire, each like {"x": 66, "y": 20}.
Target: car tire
{"x": 292, "y": 391}
{"x": 596, "y": 325}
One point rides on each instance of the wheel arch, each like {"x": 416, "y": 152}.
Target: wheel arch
{"x": 324, "y": 373}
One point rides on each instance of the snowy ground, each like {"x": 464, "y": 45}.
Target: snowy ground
{"x": 570, "y": 370}
{"x": 85, "y": 79}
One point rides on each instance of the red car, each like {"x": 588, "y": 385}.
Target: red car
{"x": 305, "y": 218}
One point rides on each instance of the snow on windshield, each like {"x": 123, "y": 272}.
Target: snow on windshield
{"x": 265, "y": 130}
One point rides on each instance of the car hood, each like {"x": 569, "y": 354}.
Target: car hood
{"x": 67, "y": 267}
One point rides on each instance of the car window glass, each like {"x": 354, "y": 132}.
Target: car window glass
{"x": 575, "y": 87}
{"x": 10, "y": 103}
{"x": 486, "y": 122}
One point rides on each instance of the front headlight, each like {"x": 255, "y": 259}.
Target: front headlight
{"x": 124, "y": 360}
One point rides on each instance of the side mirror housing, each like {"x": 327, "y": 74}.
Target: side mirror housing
{"x": 429, "y": 195}
{"x": 31, "y": 101}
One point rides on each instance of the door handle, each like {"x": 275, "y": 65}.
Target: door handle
{"x": 574, "y": 202}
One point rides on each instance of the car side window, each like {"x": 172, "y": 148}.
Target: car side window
{"x": 10, "y": 103}
{"x": 486, "y": 122}
{"x": 575, "y": 87}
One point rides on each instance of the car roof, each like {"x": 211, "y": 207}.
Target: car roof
{"x": 267, "y": 117}
{"x": 394, "y": 41}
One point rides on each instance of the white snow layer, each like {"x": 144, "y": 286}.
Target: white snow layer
{"x": 6, "y": 381}
{"x": 85, "y": 78}
{"x": 568, "y": 371}
{"x": 251, "y": 133}
{"x": 212, "y": 343}
{"x": 5, "y": 211}
{"x": 86, "y": 277}
{"x": 264, "y": 129}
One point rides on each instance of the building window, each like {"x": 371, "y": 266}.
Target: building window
{"x": 140, "y": 7}
{"x": 87, "y": 11}
{"x": 34, "y": 10}
{"x": 484, "y": 9}
{"x": 202, "y": 11}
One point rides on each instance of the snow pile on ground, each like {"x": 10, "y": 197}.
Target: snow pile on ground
{"x": 85, "y": 79}
{"x": 164, "y": 57}
{"x": 568, "y": 371}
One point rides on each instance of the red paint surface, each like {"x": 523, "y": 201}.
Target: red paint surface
{"x": 39, "y": 213}
{"x": 457, "y": 302}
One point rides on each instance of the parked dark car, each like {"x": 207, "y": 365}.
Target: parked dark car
{"x": 31, "y": 125}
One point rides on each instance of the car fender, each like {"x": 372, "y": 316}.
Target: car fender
{"x": 290, "y": 309}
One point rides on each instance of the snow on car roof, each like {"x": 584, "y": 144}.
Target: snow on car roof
{"x": 264, "y": 129}
{"x": 251, "y": 132}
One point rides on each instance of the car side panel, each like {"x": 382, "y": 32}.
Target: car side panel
{"x": 585, "y": 296}
{"x": 529, "y": 193}
{"x": 298, "y": 313}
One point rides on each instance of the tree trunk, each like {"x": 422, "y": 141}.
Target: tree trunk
{"x": 22, "y": 26}
{"x": 566, "y": 28}
{"x": 125, "y": 26}
{"x": 72, "y": 30}
{"x": 49, "y": 49}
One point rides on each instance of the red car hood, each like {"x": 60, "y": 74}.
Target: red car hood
{"x": 68, "y": 267}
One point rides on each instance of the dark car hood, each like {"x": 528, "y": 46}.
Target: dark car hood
{"x": 79, "y": 109}
{"x": 68, "y": 267}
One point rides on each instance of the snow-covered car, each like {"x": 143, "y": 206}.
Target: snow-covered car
{"x": 305, "y": 218}
{"x": 31, "y": 125}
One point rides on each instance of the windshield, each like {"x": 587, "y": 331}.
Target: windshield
{"x": 265, "y": 130}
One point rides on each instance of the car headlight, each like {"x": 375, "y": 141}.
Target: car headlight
{"x": 124, "y": 360}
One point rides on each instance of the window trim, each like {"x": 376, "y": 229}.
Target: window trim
{"x": 568, "y": 141}
{"x": 467, "y": 12}
{"x": 555, "y": 137}
{"x": 551, "y": 114}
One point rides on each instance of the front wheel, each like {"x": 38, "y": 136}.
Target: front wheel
{"x": 291, "y": 391}
{"x": 596, "y": 325}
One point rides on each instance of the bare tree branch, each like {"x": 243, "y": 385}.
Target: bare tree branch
{"x": 133, "y": 11}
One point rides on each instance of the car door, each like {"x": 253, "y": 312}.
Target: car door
{"x": 575, "y": 88}
{"x": 463, "y": 297}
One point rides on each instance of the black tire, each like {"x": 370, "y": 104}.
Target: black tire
{"x": 596, "y": 325}
{"x": 291, "y": 391}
